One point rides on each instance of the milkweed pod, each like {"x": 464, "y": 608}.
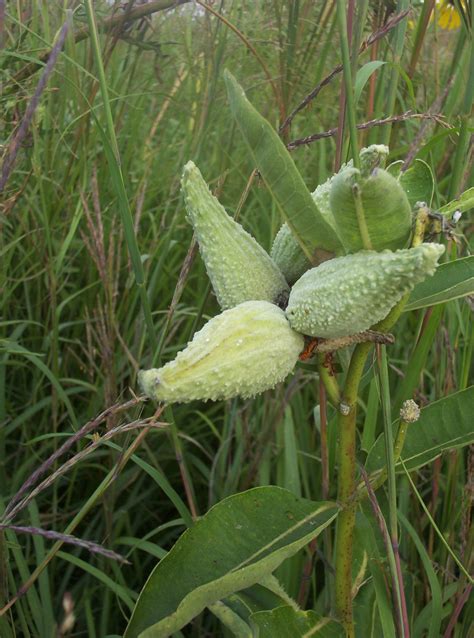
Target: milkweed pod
{"x": 347, "y": 295}
{"x": 373, "y": 157}
{"x": 241, "y": 352}
{"x": 238, "y": 267}
{"x": 288, "y": 255}
{"x": 371, "y": 209}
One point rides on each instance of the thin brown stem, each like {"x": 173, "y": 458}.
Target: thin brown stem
{"x": 374, "y": 37}
{"x": 408, "y": 115}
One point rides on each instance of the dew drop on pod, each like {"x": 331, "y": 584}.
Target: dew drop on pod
{"x": 241, "y": 352}
{"x": 347, "y": 295}
{"x": 238, "y": 267}
{"x": 369, "y": 205}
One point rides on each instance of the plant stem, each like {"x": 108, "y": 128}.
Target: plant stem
{"x": 347, "y": 456}
{"x": 346, "y": 486}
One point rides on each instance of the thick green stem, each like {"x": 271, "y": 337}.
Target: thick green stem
{"x": 346, "y": 487}
{"x": 347, "y": 455}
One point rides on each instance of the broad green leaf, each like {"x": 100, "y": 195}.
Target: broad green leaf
{"x": 451, "y": 280}
{"x": 287, "y": 622}
{"x": 235, "y": 545}
{"x": 417, "y": 181}
{"x": 463, "y": 203}
{"x": 363, "y": 74}
{"x": 443, "y": 425}
{"x": 281, "y": 176}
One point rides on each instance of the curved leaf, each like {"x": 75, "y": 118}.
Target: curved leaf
{"x": 363, "y": 75}
{"x": 462, "y": 203}
{"x": 417, "y": 181}
{"x": 451, "y": 280}
{"x": 281, "y": 176}
{"x": 239, "y": 541}
{"x": 286, "y": 622}
{"x": 443, "y": 425}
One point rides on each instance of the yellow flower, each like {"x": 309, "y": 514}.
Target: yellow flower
{"x": 448, "y": 15}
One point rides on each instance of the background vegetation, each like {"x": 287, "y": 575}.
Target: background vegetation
{"x": 74, "y": 333}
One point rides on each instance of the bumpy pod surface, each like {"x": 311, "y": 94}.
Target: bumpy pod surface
{"x": 350, "y": 294}
{"x": 372, "y": 157}
{"x": 376, "y": 201}
{"x": 238, "y": 267}
{"x": 241, "y": 352}
{"x": 288, "y": 255}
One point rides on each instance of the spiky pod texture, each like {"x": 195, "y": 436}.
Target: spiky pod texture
{"x": 241, "y": 352}
{"x": 380, "y": 200}
{"x": 350, "y": 294}
{"x": 238, "y": 267}
{"x": 288, "y": 255}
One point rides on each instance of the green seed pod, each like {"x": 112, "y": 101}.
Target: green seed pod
{"x": 241, "y": 352}
{"x": 288, "y": 255}
{"x": 372, "y": 157}
{"x": 350, "y": 294}
{"x": 370, "y": 208}
{"x": 238, "y": 267}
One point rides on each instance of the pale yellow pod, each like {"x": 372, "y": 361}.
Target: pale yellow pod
{"x": 241, "y": 352}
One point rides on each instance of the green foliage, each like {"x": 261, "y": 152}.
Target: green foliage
{"x": 443, "y": 425}
{"x": 286, "y": 622}
{"x": 281, "y": 176}
{"x": 462, "y": 203}
{"x": 451, "y": 280}
{"x": 417, "y": 181}
{"x": 96, "y": 258}
{"x": 238, "y": 542}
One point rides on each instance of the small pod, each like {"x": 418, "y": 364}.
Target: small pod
{"x": 241, "y": 352}
{"x": 238, "y": 267}
{"x": 370, "y": 208}
{"x": 347, "y": 295}
{"x": 288, "y": 255}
